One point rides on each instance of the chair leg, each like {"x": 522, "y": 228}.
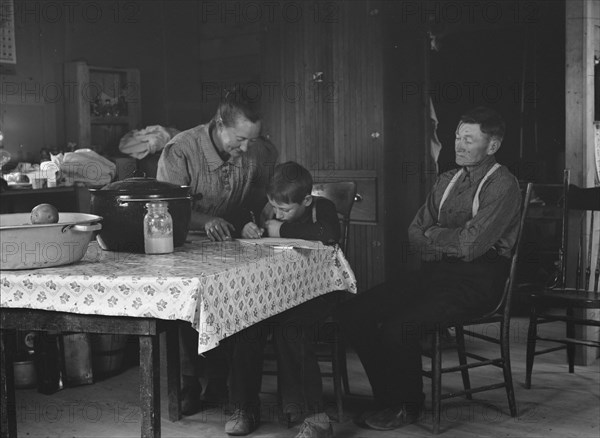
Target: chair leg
{"x": 571, "y": 347}
{"x": 531, "y": 338}
{"x": 343, "y": 366}
{"x": 462, "y": 358}
{"x": 506, "y": 368}
{"x": 337, "y": 380}
{"x": 436, "y": 380}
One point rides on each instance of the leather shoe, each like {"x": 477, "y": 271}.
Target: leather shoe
{"x": 360, "y": 421}
{"x": 241, "y": 422}
{"x": 393, "y": 418}
{"x": 316, "y": 426}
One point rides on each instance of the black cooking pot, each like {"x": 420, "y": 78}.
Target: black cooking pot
{"x": 123, "y": 207}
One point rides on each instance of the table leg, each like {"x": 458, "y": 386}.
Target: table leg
{"x": 173, "y": 372}
{"x": 150, "y": 386}
{"x": 8, "y": 410}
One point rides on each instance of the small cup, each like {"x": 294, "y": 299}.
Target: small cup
{"x": 39, "y": 183}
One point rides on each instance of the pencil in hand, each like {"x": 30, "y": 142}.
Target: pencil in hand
{"x": 261, "y": 231}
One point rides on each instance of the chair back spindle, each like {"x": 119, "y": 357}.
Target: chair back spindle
{"x": 505, "y": 300}
{"x": 587, "y": 202}
{"x": 342, "y": 194}
{"x": 588, "y": 268}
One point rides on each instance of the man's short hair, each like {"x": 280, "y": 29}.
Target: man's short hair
{"x": 290, "y": 183}
{"x": 236, "y": 104}
{"x": 490, "y": 121}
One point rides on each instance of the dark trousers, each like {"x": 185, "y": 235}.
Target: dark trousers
{"x": 239, "y": 358}
{"x": 300, "y": 385}
{"x": 245, "y": 351}
{"x": 385, "y": 325}
{"x": 236, "y": 361}
{"x": 299, "y": 380}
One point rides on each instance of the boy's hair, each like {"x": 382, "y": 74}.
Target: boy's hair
{"x": 290, "y": 183}
{"x": 490, "y": 122}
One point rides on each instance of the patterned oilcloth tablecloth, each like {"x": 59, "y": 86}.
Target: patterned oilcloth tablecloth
{"x": 219, "y": 287}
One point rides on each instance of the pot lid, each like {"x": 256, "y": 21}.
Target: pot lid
{"x": 144, "y": 187}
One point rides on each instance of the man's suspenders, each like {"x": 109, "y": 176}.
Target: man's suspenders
{"x": 475, "y": 199}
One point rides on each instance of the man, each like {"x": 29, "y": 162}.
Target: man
{"x": 464, "y": 235}
{"x": 227, "y": 166}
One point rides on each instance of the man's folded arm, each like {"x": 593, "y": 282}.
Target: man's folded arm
{"x": 499, "y": 209}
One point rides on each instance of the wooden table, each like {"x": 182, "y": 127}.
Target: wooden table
{"x": 147, "y": 329}
{"x": 219, "y": 287}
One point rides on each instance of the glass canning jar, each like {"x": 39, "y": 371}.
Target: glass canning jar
{"x": 158, "y": 229}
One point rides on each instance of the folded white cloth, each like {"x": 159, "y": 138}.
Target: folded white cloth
{"x": 88, "y": 167}
{"x": 141, "y": 142}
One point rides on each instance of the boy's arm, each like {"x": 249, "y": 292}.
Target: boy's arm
{"x": 326, "y": 228}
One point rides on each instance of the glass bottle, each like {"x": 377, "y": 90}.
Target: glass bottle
{"x": 158, "y": 229}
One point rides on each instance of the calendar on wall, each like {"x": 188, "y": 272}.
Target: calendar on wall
{"x": 8, "y": 47}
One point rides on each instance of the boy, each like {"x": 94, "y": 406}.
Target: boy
{"x": 293, "y": 212}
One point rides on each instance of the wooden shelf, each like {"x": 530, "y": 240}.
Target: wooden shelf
{"x": 46, "y": 191}
{"x": 93, "y": 86}
{"x": 74, "y": 198}
{"x": 99, "y": 120}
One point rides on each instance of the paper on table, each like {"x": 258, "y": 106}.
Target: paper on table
{"x": 284, "y": 243}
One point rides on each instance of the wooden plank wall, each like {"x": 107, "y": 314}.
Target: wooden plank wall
{"x": 207, "y": 50}
{"x": 408, "y": 176}
{"x": 327, "y": 125}
{"x": 32, "y": 92}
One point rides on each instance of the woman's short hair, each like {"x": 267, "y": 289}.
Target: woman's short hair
{"x": 236, "y": 104}
{"x": 490, "y": 121}
{"x": 290, "y": 183}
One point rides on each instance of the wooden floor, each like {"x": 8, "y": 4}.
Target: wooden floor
{"x": 558, "y": 405}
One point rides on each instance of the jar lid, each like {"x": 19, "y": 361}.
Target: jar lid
{"x": 142, "y": 187}
{"x": 156, "y": 204}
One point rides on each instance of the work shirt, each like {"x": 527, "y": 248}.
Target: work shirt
{"x": 453, "y": 231}
{"x": 228, "y": 189}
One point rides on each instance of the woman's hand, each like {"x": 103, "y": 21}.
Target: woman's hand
{"x": 252, "y": 231}
{"x": 218, "y": 229}
{"x": 272, "y": 227}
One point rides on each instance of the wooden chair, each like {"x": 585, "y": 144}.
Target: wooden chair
{"x": 500, "y": 314}
{"x": 330, "y": 348}
{"x": 342, "y": 194}
{"x": 579, "y": 208}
